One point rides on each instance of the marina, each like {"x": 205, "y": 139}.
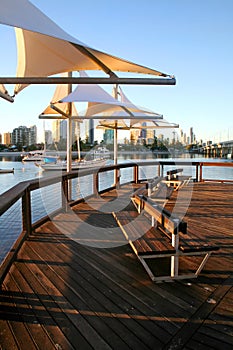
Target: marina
{"x": 90, "y": 291}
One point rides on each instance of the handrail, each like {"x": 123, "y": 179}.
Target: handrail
{"x": 8, "y": 198}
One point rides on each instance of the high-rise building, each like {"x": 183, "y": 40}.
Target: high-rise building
{"x": 32, "y": 135}
{"x": 48, "y": 137}
{"x": 143, "y": 131}
{"x": 24, "y": 136}
{"x": 89, "y": 131}
{"x": 59, "y": 130}
{"x": 134, "y": 135}
{"x": 191, "y": 135}
{"x": 7, "y": 138}
{"x": 108, "y": 136}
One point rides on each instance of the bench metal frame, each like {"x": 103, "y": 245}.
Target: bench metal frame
{"x": 171, "y": 226}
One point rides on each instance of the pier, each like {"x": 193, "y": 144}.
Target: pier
{"x": 223, "y": 149}
{"x": 57, "y": 293}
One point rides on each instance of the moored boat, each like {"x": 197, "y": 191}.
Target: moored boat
{"x": 75, "y": 165}
{"x": 6, "y": 171}
{"x": 37, "y": 156}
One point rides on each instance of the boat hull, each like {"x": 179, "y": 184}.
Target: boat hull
{"x": 74, "y": 166}
{"x": 6, "y": 171}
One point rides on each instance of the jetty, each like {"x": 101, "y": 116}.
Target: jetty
{"x": 72, "y": 280}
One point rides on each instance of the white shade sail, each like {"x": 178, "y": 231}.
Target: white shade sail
{"x": 64, "y": 108}
{"x": 101, "y": 102}
{"x": 46, "y": 49}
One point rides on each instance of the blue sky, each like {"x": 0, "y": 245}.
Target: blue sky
{"x": 191, "y": 39}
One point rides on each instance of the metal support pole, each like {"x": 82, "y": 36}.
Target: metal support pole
{"x": 115, "y": 140}
{"x": 87, "y": 80}
{"x": 175, "y": 258}
{"x": 69, "y": 140}
{"x": 175, "y": 244}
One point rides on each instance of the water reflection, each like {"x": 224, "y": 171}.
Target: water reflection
{"x": 10, "y": 158}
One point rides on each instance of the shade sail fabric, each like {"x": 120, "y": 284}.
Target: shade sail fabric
{"x": 4, "y": 93}
{"x": 45, "y": 49}
{"x": 3, "y": 89}
{"x": 101, "y": 102}
{"x": 60, "y": 91}
{"x": 140, "y": 122}
{"x": 91, "y": 93}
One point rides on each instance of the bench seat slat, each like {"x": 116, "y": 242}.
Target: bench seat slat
{"x": 163, "y": 191}
{"x": 155, "y": 243}
{"x": 152, "y": 242}
{"x": 189, "y": 244}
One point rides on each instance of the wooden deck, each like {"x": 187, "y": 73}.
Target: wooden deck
{"x": 91, "y": 292}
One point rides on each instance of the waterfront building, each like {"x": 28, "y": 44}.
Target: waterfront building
{"x": 108, "y": 136}
{"x": 0, "y": 138}
{"x": 7, "y": 138}
{"x": 32, "y": 135}
{"x": 134, "y": 135}
{"x": 191, "y": 135}
{"x": 24, "y": 135}
{"x": 59, "y": 130}
{"x": 56, "y": 130}
{"x": 48, "y": 137}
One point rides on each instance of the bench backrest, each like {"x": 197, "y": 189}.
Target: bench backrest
{"x": 153, "y": 183}
{"x": 174, "y": 171}
{"x": 163, "y": 217}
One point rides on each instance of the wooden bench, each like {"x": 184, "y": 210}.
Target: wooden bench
{"x": 156, "y": 189}
{"x": 172, "y": 174}
{"x": 166, "y": 236}
{"x": 175, "y": 179}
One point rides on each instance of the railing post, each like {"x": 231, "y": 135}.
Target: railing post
{"x": 162, "y": 170}
{"x": 95, "y": 184}
{"x": 159, "y": 172}
{"x": 64, "y": 192}
{"x": 27, "y": 212}
{"x": 118, "y": 175}
{"x": 197, "y": 165}
{"x": 200, "y": 178}
{"x": 135, "y": 174}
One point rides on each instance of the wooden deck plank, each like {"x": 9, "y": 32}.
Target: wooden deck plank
{"x": 76, "y": 329}
{"x": 7, "y": 340}
{"x": 18, "y": 323}
{"x": 38, "y": 306}
{"x": 102, "y": 305}
{"x": 35, "y": 329}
